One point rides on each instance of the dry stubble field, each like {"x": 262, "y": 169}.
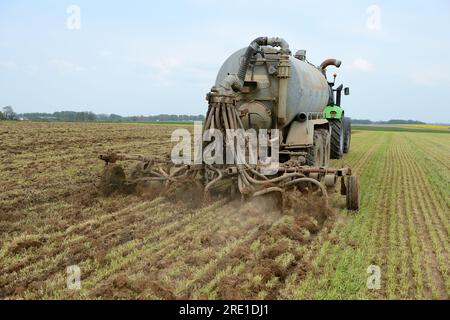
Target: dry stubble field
{"x": 51, "y": 217}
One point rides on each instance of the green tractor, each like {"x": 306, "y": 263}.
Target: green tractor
{"x": 340, "y": 125}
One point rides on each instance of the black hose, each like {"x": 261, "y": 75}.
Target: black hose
{"x": 251, "y": 50}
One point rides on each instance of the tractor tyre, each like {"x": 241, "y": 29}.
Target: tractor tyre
{"x": 347, "y": 134}
{"x": 337, "y": 139}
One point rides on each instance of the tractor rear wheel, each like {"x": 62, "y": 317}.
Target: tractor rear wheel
{"x": 337, "y": 139}
{"x": 347, "y": 134}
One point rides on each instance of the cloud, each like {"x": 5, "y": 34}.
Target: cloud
{"x": 373, "y": 21}
{"x": 361, "y": 64}
{"x": 67, "y": 66}
{"x": 8, "y": 65}
{"x": 31, "y": 69}
{"x": 430, "y": 77}
{"x": 105, "y": 53}
{"x": 163, "y": 70}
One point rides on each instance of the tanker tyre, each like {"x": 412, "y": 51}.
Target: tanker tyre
{"x": 337, "y": 139}
{"x": 326, "y": 136}
{"x": 352, "y": 196}
{"x": 316, "y": 153}
{"x": 347, "y": 134}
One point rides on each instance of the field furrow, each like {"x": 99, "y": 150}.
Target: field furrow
{"x": 127, "y": 246}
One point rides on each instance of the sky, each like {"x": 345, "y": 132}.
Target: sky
{"x": 152, "y": 57}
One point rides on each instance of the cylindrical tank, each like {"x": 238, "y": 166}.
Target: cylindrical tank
{"x": 307, "y": 89}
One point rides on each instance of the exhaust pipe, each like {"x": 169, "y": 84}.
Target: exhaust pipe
{"x": 329, "y": 62}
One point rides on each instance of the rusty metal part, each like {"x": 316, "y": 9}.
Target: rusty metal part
{"x": 321, "y": 170}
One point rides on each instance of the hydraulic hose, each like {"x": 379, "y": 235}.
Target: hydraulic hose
{"x": 251, "y": 50}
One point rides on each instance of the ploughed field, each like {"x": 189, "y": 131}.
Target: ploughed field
{"x": 126, "y": 246}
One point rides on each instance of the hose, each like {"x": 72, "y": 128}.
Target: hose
{"x": 211, "y": 183}
{"x": 251, "y": 50}
{"x": 267, "y": 190}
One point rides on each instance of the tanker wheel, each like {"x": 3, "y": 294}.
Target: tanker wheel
{"x": 326, "y": 136}
{"x": 113, "y": 179}
{"x": 317, "y": 153}
{"x": 352, "y": 197}
{"x": 337, "y": 139}
{"x": 347, "y": 134}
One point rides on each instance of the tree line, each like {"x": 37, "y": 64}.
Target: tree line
{"x": 74, "y": 116}
{"x": 393, "y": 121}
{"x": 8, "y": 113}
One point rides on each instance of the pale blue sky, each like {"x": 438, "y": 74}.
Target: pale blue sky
{"x": 142, "y": 57}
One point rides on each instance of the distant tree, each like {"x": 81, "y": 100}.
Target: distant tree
{"x": 9, "y": 113}
{"x": 115, "y": 117}
{"x": 2, "y": 117}
{"x": 400, "y": 121}
{"x": 90, "y": 116}
{"x": 361, "y": 121}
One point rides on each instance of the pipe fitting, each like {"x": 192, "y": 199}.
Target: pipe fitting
{"x": 301, "y": 117}
{"x": 229, "y": 85}
{"x": 279, "y": 42}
